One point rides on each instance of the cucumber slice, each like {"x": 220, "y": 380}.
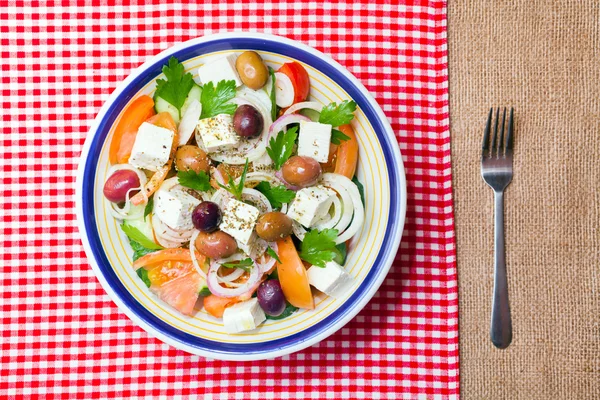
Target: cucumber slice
{"x": 143, "y": 226}
{"x": 194, "y": 94}
{"x": 312, "y": 114}
{"x": 161, "y": 105}
{"x": 204, "y": 290}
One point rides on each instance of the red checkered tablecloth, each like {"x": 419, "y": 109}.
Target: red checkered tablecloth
{"x": 61, "y": 336}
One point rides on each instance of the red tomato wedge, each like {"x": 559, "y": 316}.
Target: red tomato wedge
{"x": 292, "y": 275}
{"x": 138, "y": 111}
{"x": 300, "y": 80}
{"x": 347, "y": 153}
{"x": 176, "y": 283}
{"x": 215, "y": 305}
{"x": 179, "y": 254}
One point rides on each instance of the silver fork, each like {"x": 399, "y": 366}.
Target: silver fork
{"x": 497, "y": 172}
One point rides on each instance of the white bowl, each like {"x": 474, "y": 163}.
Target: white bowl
{"x": 371, "y": 252}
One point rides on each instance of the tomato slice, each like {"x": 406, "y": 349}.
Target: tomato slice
{"x": 215, "y": 305}
{"x": 347, "y": 153}
{"x": 138, "y": 111}
{"x": 292, "y": 275}
{"x": 174, "y": 255}
{"x": 176, "y": 283}
{"x": 300, "y": 80}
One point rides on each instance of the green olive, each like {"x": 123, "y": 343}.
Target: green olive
{"x": 273, "y": 226}
{"x": 193, "y": 158}
{"x": 252, "y": 70}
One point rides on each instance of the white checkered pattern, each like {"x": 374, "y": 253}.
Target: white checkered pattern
{"x": 63, "y": 337}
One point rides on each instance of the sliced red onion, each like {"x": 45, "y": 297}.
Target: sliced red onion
{"x": 359, "y": 211}
{"x": 259, "y": 200}
{"x": 218, "y": 176}
{"x": 282, "y": 122}
{"x": 193, "y": 254}
{"x": 190, "y": 118}
{"x": 229, "y": 279}
{"x": 259, "y": 176}
{"x": 313, "y": 105}
{"x": 215, "y": 288}
{"x": 265, "y": 267}
{"x": 284, "y": 90}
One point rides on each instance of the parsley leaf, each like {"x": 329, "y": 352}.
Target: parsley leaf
{"x": 273, "y": 254}
{"x": 175, "y": 89}
{"x": 335, "y": 115}
{"x": 318, "y": 247}
{"x": 289, "y": 310}
{"x": 149, "y": 206}
{"x": 273, "y": 99}
{"x": 191, "y": 179}
{"x": 232, "y": 187}
{"x": 143, "y": 274}
{"x": 215, "y": 101}
{"x": 275, "y": 194}
{"x": 205, "y": 291}
{"x": 136, "y": 235}
{"x": 338, "y": 136}
{"x": 139, "y": 250}
{"x": 244, "y": 264}
{"x": 280, "y": 148}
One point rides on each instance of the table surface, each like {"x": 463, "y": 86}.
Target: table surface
{"x": 61, "y": 335}
{"x": 542, "y": 58}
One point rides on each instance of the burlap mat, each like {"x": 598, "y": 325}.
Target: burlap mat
{"x": 543, "y": 58}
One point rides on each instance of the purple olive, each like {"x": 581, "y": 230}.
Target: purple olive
{"x": 206, "y": 216}
{"x": 247, "y": 121}
{"x": 119, "y": 183}
{"x": 270, "y": 297}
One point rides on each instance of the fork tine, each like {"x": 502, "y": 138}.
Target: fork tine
{"x": 486, "y": 135}
{"x": 500, "y": 149}
{"x": 509, "y": 134}
{"x": 495, "y": 130}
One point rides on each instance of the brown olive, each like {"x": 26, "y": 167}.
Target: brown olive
{"x": 301, "y": 171}
{"x": 216, "y": 244}
{"x": 193, "y": 158}
{"x": 273, "y": 226}
{"x": 252, "y": 70}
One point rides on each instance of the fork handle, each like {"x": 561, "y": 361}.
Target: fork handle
{"x": 501, "y": 327}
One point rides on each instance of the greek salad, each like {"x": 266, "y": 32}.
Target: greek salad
{"x": 236, "y": 191}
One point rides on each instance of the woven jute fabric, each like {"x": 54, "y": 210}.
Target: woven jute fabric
{"x": 542, "y": 58}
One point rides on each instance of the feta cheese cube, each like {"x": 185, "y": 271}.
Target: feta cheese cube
{"x": 313, "y": 140}
{"x": 243, "y": 316}
{"x": 238, "y": 220}
{"x": 311, "y": 204}
{"x": 219, "y": 70}
{"x": 217, "y": 132}
{"x": 255, "y": 246}
{"x": 175, "y": 207}
{"x": 332, "y": 280}
{"x": 152, "y": 147}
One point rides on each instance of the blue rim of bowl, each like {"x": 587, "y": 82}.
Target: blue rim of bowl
{"x": 388, "y": 247}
